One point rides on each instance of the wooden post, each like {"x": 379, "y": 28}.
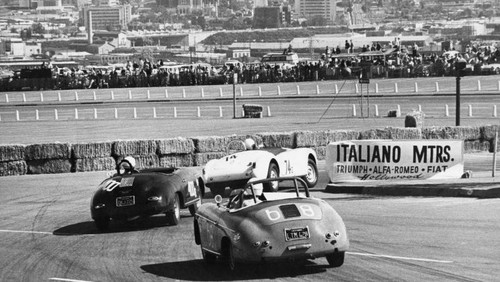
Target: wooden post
{"x": 495, "y": 143}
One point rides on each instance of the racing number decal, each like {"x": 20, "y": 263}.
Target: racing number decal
{"x": 305, "y": 210}
{"x": 288, "y": 167}
{"x": 110, "y": 185}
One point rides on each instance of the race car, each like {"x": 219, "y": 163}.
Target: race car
{"x": 256, "y": 227}
{"x": 130, "y": 193}
{"x": 234, "y": 170}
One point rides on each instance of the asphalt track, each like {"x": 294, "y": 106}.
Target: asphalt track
{"x": 46, "y": 233}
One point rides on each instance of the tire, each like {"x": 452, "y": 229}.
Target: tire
{"x": 208, "y": 257}
{"x": 174, "y": 215}
{"x": 197, "y": 237}
{"x": 218, "y": 190}
{"x": 311, "y": 178}
{"x": 102, "y": 223}
{"x": 229, "y": 256}
{"x": 272, "y": 172}
{"x": 336, "y": 259}
{"x": 194, "y": 207}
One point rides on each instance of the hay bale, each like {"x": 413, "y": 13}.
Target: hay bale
{"x": 454, "y": 133}
{"x": 11, "y": 152}
{"x": 201, "y": 159}
{"x": 477, "y": 146}
{"x": 48, "y": 151}
{"x": 276, "y": 140}
{"x": 375, "y": 134}
{"x": 415, "y": 119}
{"x": 91, "y": 150}
{"x": 393, "y": 113}
{"x": 323, "y": 138}
{"x": 175, "y": 146}
{"x": 405, "y": 133}
{"x": 147, "y": 161}
{"x": 94, "y": 164}
{"x": 134, "y": 148}
{"x": 49, "y": 166}
{"x": 176, "y": 160}
{"x": 320, "y": 152}
{"x": 13, "y": 168}
{"x": 488, "y": 132}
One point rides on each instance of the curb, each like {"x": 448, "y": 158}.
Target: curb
{"x": 473, "y": 188}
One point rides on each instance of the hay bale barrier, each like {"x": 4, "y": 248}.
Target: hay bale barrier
{"x": 197, "y": 151}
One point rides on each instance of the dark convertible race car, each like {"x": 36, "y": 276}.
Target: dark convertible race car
{"x": 260, "y": 227}
{"x": 130, "y": 194}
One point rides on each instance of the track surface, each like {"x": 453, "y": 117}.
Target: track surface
{"x": 46, "y": 234}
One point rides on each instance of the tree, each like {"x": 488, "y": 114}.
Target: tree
{"x": 317, "y": 21}
{"x": 38, "y": 28}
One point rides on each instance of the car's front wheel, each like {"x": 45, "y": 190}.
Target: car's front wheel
{"x": 311, "y": 177}
{"x": 174, "y": 215}
{"x": 272, "y": 172}
{"x": 336, "y": 259}
{"x": 102, "y": 223}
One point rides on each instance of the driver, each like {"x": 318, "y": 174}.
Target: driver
{"x": 126, "y": 166}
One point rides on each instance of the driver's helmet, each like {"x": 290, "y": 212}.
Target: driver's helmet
{"x": 257, "y": 188}
{"x": 128, "y": 163}
{"x": 250, "y": 144}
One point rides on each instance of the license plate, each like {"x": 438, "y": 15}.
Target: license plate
{"x": 125, "y": 201}
{"x": 296, "y": 233}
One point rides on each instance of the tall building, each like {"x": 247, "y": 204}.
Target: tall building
{"x": 106, "y": 17}
{"x": 271, "y": 17}
{"x": 312, "y": 8}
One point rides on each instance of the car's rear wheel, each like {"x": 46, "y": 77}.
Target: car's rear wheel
{"x": 311, "y": 177}
{"x": 174, "y": 215}
{"x": 218, "y": 190}
{"x": 272, "y": 172}
{"x": 228, "y": 253}
{"x": 336, "y": 259}
{"x": 208, "y": 257}
{"x": 102, "y": 223}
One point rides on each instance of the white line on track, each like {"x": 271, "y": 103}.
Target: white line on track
{"x": 401, "y": 258}
{"x": 24, "y": 231}
{"x": 67, "y": 280}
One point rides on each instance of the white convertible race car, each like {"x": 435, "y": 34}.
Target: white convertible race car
{"x": 234, "y": 170}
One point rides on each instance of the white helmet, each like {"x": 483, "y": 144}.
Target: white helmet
{"x": 250, "y": 144}
{"x": 131, "y": 161}
{"x": 257, "y": 188}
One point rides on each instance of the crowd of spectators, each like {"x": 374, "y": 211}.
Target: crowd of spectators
{"x": 399, "y": 61}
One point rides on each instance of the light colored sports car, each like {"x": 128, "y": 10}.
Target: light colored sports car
{"x": 234, "y": 170}
{"x": 255, "y": 227}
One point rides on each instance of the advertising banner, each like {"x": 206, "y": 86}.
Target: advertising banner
{"x": 372, "y": 160}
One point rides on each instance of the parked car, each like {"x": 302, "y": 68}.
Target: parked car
{"x": 133, "y": 193}
{"x": 255, "y": 226}
{"x": 234, "y": 170}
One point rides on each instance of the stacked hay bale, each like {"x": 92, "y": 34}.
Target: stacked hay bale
{"x": 487, "y": 140}
{"x": 471, "y": 135}
{"x": 12, "y": 160}
{"x": 175, "y": 152}
{"x": 215, "y": 147}
{"x": 276, "y": 140}
{"x": 144, "y": 152}
{"x": 48, "y": 158}
{"x": 415, "y": 119}
{"x": 92, "y": 156}
{"x": 318, "y": 140}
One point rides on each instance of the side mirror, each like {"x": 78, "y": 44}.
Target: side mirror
{"x": 218, "y": 199}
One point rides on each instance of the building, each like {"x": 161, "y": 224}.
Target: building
{"x": 106, "y": 17}
{"x": 186, "y": 7}
{"x": 316, "y": 8}
{"x": 271, "y": 17}
{"x": 25, "y": 49}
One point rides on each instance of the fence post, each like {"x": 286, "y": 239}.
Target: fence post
{"x": 398, "y": 113}
{"x": 470, "y": 110}
{"x": 166, "y": 93}
{"x": 41, "y": 96}
{"x": 376, "y": 110}
{"x": 56, "y": 114}
{"x": 241, "y": 91}
{"x": 59, "y": 98}
{"x": 95, "y": 113}
{"x": 446, "y": 111}
{"x": 149, "y": 95}
{"x": 419, "y": 108}
{"x": 260, "y": 91}
{"x": 135, "y": 112}
{"x": 416, "y": 87}
{"x": 437, "y": 86}
{"x": 198, "y": 112}
{"x": 94, "y": 96}
{"x": 130, "y": 94}
{"x": 317, "y": 89}
{"x": 116, "y": 113}
{"x": 183, "y": 92}
{"x": 298, "y": 89}
{"x": 478, "y": 85}
{"x": 24, "y": 97}
{"x": 494, "y": 110}
{"x": 154, "y": 112}
{"x": 395, "y": 87}
{"x": 220, "y": 92}
{"x": 376, "y": 87}
{"x": 112, "y": 95}
{"x": 220, "y": 111}
{"x": 353, "y": 110}
{"x": 175, "y": 112}
{"x": 279, "y": 90}
{"x": 202, "y": 93}
{"x": 76, "y": 95}
{"x": 268, "y": 111}
{"x": 76, "y": 113}
{"x": 17, "y": 115}
{"x": 37, "y": 115}
{"x": 336, "y": 89}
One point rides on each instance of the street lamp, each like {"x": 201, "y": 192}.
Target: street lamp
{"x": 460, "y": 65}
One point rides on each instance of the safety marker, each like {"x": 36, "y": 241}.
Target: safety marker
{"x": 166, "y": 93}
{"x": 398, "y": 112}
{"x": 149, "y": 95}
{"x": 376, "y": 110}
{"x": 494, "y": 110}
{"x": 76, "y": 113}
{"x": 58, "y": 96}
{"x": 37, "y": 115}
{"x": 395, "y": 87}
{"x": 437, "y": 86}
{"x": 198, "y": 112}
{"x": 241, "y": 91}
{"x": 446, "y": 111}
{"x": 478, "y": 85}
{"x": 278, "y": 90}
{"x": 470, "y": 110}
{"x": 56, "y": 115}
{"x": 41, "y": 96}
{"x": 499, "y": 85}
{"x": 220, "y": 111}
{"x": 76, "y": 96}
{"x": 24, "y": 97}
{"x": 112, "y": 95}
{"x": 376, "y": 87}
{"x": 130, "y": 94}
{"x": 183, "y": 93}
{"x": 416, "y": 87}
{"x": 353, "y": 110}
{"x": 154, "y": 112}
{"x": 298, "y": 89}
{"x": 268, "y": 111}
{"x": 116, "y": 113}
{"x": 220, "y": 91}
{"x": 175, "y": 112}
{"x": 135, "y": 112}
{"x": 94, "y": 96}
{"x": 260, "y": 91}
{"x": 356, "y": 88}
{"x": 317, "y": 89}
{"x": 6, "y": 98}
{"x": 419, "y": 108}
{"x": 336, "y": 89}
{"x": 95, "y": 113}
{"x": 202, "y": 93}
